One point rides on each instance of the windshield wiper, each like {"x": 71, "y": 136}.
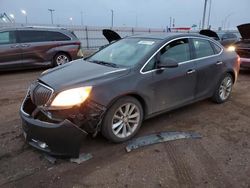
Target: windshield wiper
{"x": 104, "y": 63}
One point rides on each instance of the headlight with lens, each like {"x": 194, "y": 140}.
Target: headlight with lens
{"x": 71, "y": 97}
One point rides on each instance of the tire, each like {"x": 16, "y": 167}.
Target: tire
{"x": 60, "y": 59}
{"x": 122, "y": 120}
{"x": 224, "y": 89}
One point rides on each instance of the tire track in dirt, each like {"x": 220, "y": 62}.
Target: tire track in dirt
{"x": 214, "y": 174}
{"x": 180, "y": 166}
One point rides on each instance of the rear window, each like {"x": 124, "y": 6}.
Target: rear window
{"x": 41, "y": 36}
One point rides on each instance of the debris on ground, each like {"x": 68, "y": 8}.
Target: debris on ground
{"x": 49, "y": 158}
{"x": 158, "y": 138}
{"x": 82, "y": 157}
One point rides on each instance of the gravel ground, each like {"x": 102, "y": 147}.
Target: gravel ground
{"x": 219, "y": 159}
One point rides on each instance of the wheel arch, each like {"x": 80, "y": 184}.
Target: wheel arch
{"x": 136, "y": 96}
{"x": 231, "y": 72}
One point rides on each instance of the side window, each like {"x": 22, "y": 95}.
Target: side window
{"x": 32, "y": 36}
{"x": 217, "y": 49}
{"x": 150, "y": 65}
{"x": 56, "y": 36}
{"x": 7, "y": 37}
{"x": 203, "y": 48}
{"x": 177, "y": 50}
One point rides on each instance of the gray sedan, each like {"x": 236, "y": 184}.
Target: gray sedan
{"x": 121, "y": 85}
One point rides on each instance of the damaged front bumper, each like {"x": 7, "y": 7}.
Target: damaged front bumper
{"x": 59, "y": 137}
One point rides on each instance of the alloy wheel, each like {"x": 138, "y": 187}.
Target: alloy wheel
{"x": 225, "y": 88}
{"x": 125, "y": 120}
{"x": 62, "y": 59}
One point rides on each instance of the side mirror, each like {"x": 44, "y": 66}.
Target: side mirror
{"x": 167, "y": 63}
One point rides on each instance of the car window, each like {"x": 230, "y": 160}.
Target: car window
{"x": 203, "y": 48}
{"x": 7, "y": 37}
{"x": 56, "y": 36}
{"x": 177, "y": 50}
{"x": 217, "y": 49}
{"x": 150, "y": 65}
{"x": 32, "y": 36}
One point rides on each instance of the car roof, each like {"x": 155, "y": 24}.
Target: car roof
{"x": 167, "y": 36}
{"x": 36, "y": 28}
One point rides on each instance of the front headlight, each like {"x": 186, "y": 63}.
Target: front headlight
{"x": 71, "y": 97}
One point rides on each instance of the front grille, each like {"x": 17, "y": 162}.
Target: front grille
{"x": 40, "y": 94}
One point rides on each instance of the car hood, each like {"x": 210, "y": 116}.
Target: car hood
{"x": 244, "y": 30}
{"x": 111, "y": 35}
{"x": 209, "y": 33}
{"x": 80, "y": 73}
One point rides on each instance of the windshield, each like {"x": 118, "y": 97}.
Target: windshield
{"x": 126, "y": 52}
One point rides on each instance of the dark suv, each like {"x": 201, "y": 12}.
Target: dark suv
{"x": 28, "y": 47}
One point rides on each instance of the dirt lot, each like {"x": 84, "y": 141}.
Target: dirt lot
{"x": 221, "y": 158}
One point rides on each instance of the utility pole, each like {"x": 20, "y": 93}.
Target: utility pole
{"x": 82, "y": 18}
{"x": 112, "y": 18}
{"x": 204, "y": 15}
{"x": 51, "y": 15}
{"x": 209, "y": 13}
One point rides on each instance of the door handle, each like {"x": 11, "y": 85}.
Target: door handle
{"x": 219, "y": 63}
{"x": 15, "y": 46}
{"x": 190, "y": 71}
{"x": 25, "y": 45}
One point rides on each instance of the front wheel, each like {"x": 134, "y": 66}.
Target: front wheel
{"x": 224, "y": 89}
{"x": 122, "y": 120}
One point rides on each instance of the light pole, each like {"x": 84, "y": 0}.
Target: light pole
{"x": 112, "y": 18}
{"x": 12, "y": 17}
{"x": 204, "y": 15}
{"x": 25, "y": 14}
{"x": 71, "y": 20}
{"x": 225, "y": 20}
{"x": 51, "y": 15}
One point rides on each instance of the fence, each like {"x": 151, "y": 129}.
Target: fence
{"x": 91, "y": 37}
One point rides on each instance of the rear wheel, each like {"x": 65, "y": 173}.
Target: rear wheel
{"x": 224, "y": 89}
{"x": 122, "y": 120}
{"x": 60, "y": 59}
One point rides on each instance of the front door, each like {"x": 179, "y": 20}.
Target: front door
{"x": 175, "y": 86}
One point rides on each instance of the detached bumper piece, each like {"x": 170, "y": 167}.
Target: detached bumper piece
{"x": 56, "y": 139}
{"x": 158, "y": 138}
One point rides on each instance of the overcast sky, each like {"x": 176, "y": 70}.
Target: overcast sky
{"x": 149, "y": 13}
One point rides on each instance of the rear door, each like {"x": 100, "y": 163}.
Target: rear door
{"x": 10, "y": 52}
{"x": 209, "y": 66}
{"x": 36, "y": 47}
{"x": 175, "y": 86}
